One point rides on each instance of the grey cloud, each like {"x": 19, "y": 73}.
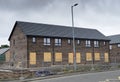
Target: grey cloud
{"x": 23, "y": 5}
{"x": 104, "y": 6}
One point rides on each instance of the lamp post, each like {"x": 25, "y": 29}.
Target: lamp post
{"x": 74, "y": 50}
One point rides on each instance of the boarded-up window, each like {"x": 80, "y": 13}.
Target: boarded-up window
{"x": 97, "y": 56}
{"x": 58, "y": 57}
{"x": 88, "y": 56}
{"x": 47, "y": 57}
{"x": 78, "y": 57}
{"x": 70, "y": 56}
{"x": 32, "y": 58}
{"x": 106, "y": 56}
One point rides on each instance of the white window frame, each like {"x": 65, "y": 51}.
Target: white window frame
{"x": 78, "y": 41}
{"x": 96, "y": 43}
{"x": 46, "y": 41}
{"x": 69, "y": 41}
{"x": 88, "y": 43}
{"x": 58, "y": 42}
{"x": 104, "y": 43}
{"x": 33, "y": 39}
{"x": 110, "y": 47}
{"x": 118, "y": 45}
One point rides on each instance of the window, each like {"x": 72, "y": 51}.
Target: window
{"x": 78, "y": 41}
{"x": 58, "y": 42}
{"x": 32, "y": 58}
{"x": 46, "y": 41}
{"x": 13, "y": 42}
{"x": 88, "y": 43}
{"x": 97, "y": 56}
{"x": 106, "y": 57}
{"x": 78, "y": 57}
{"x": 118, "y": 45}
{"x": 58, "y": 57}
{"x": 69, "y": 41}
{"x": 89, "y": 56}
{"x": 104, "y": 43}
{"x": 110, "y": 47}
{"x": 47, "y": 57}
{"x": 70, "y": 57}
{"x": 33, "y": 39}
{"x": 96, "y": 44}
{"x": 7, "y": 56}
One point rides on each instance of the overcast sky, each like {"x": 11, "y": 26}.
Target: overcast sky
{"x": 103, "y": 15}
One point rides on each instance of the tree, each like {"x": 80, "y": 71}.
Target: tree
{"x": 4, "y": 46}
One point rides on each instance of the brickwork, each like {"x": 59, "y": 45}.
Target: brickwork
{"x": 65, "y": 48}
{"x": 115, "y": 53}
{"x": 18, "y": 48}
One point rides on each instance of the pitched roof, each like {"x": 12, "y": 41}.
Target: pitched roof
{"x": 3, "y": 50}
{"x": 38, "y": 29}
{"x": 114, "y": 39}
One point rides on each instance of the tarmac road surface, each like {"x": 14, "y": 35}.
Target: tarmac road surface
{"x": 90, "y": 77}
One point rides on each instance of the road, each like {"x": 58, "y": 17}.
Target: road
{"x": 90, "y": 77}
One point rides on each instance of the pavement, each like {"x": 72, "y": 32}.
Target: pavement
{"x": 76, "y": 77}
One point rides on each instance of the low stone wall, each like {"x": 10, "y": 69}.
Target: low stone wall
{"x": 14, "y": 74}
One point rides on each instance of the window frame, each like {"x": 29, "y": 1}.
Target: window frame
{"x": 78, "y": 42}
{"x": 110, "y": 47}
{"x": 88, "y": 43}
{"x": 104, "y": 42}
{"x": 46, "y": 41}
{"x": 96, "y": 44}
{"x": 58, "y": 41}
{"x": 34, "y": 39}
{"x": 118, "y": 45}
{"x": 69, "y": 41}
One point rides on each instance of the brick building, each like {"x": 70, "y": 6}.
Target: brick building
{"x": 36, "y": 45}
{"x": 114, "y": 48}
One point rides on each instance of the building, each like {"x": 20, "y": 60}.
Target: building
{"x": 114, "y": 48}
{"x": 4, "y": 55}
{"x": 36, "y": 45}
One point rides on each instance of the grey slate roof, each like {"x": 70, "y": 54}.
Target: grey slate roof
{"x": 2, "y": 51}
{"x": 38, "y": 29}
{"x": 114, "y": 39}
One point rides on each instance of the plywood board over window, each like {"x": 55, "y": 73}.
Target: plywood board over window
{"x": 106, "y": 57}
{"x": 88, "y": 56}
{"x": 47, "y": 57}
{"x": 32, "y": 58}
{"x": 70, "y": 57}
{"x": 78, "y": 57}
{"x": 58, "y": 57}
{"x": 97, "y": 56}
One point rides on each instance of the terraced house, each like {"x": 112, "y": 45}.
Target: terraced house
{"x": 114, "y": 48}
{"x": 36, "y": 45}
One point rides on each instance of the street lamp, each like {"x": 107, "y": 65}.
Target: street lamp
{"x": 74, "y": 51}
